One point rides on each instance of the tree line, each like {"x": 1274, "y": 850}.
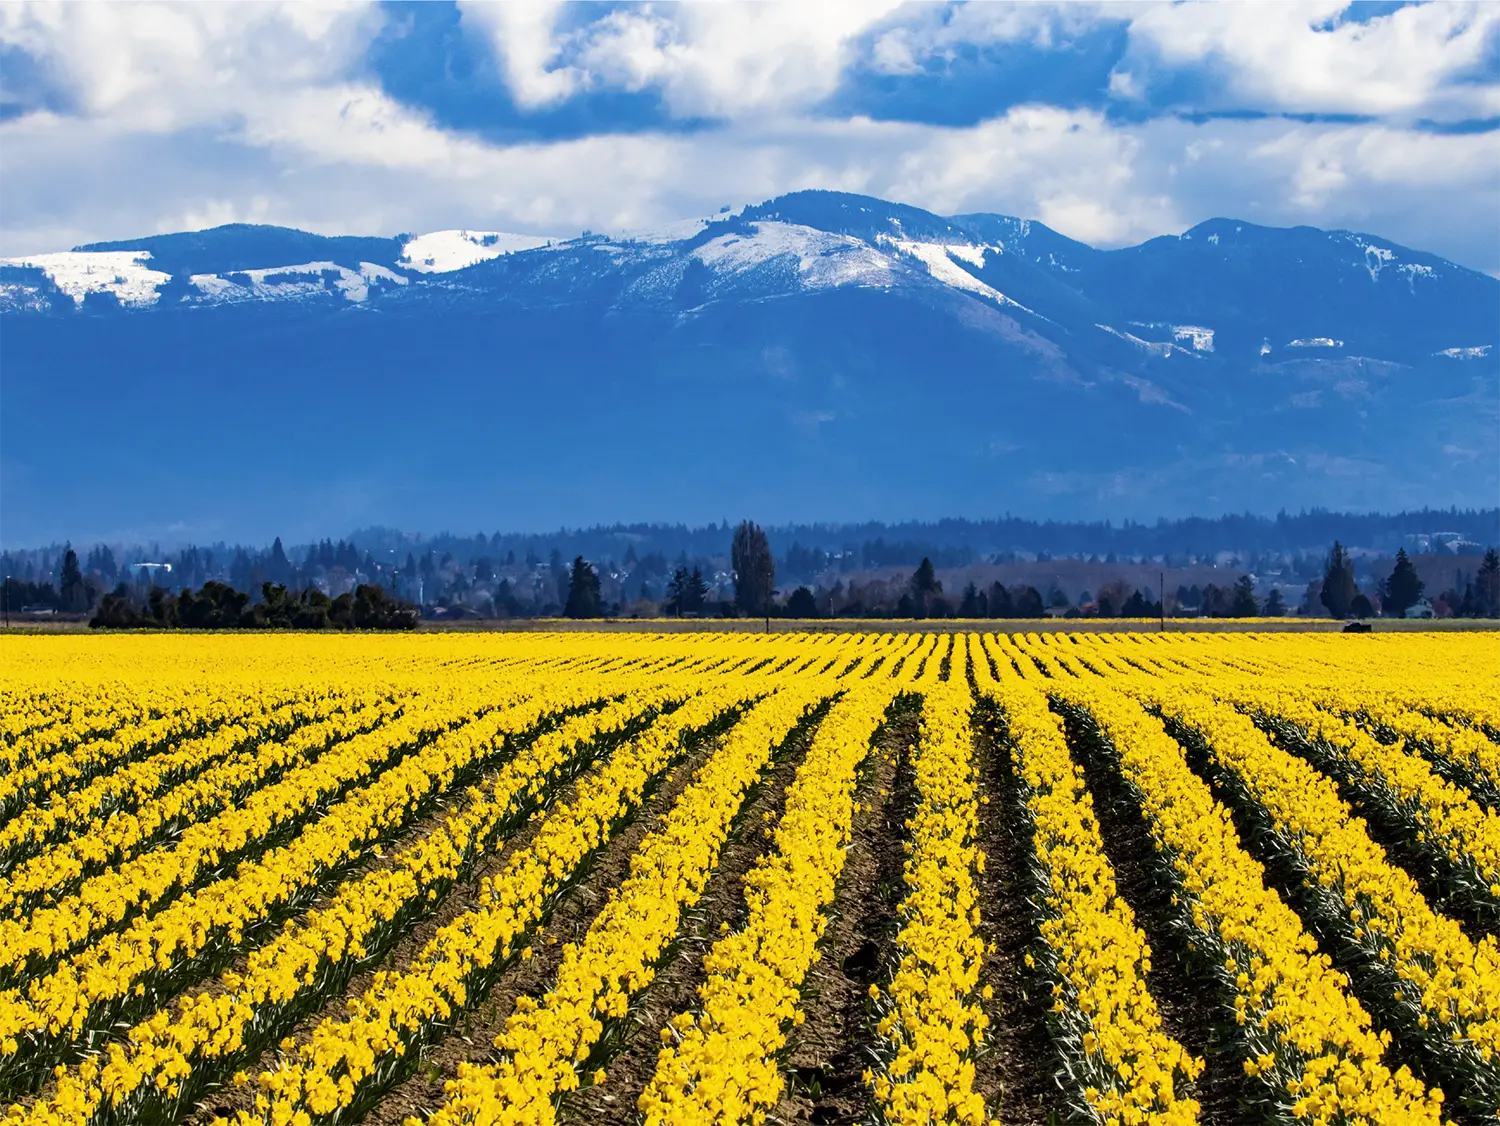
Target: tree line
{"x": 1403, "y": 589}
{"x": 804, "y": 548}
{"x": 220, "y": 606}
{"x": 306, "y": 599}
{"x": 687, "y": 591}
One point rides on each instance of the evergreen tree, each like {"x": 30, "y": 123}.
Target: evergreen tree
{"x": 697, "y": 591}
{"x": 1275, "y": 605}
{"x": 676, "y": 592}
{"x": 971, "y": 604}
{"x": 754, "y": 569}
{"x": 802, "y": 604}
{"x": 1243, "y": 604}
{"x": 924, "y": 580}
{"x": 1000, "y": 605}
{"x": 583, "y": 591}
{"x": 72, "y": 593}
{"x": 279, "y": 567}
{"x": 924, "y": 585}
{"x": 1338, "y": 582}
{"x": 1403, "y": 589}
{"x": 1360, "y": 606}
{"x": 687, "y": 592}
{"x": 1027, "y": 603}
{"x": 1487, "y": 586}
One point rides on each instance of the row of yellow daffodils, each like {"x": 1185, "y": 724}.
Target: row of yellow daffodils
{"x": 113, "y": 897}
{"x": 69, "y": 812}
{"x": 1122, "y": 1065}
{"x": 120, "y": 973}
{"x": 1470, "y": 758}
{"x": 116, "y": 836}
{"x": 1321, "y": 720}
{"x": 1307, "y": 1043}
{"x": 1443, "y": 821}
{"x": 165, "y": 1060}
{"x": 1446, "y": 988}
{"x": 1394, "y": 709}
{"x": 36, "y": 725}
{"x": 544, "y": 1044}
{"x": 74, "y": 766}
{"x": 933, "y": 1020}
{"x": 720, "y": 1065}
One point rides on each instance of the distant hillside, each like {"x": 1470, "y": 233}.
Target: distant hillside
{"x": 817, "y": 355}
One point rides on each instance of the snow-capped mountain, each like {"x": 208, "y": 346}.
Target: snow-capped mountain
{"x": 1231, "y": 366}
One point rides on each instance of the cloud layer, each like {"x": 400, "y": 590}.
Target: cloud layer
{"x": 1111, "y": 123}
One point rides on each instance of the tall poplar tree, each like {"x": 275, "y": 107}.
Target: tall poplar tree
{"x": 754, "y": 569}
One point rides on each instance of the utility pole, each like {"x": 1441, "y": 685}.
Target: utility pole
{"x": 1161, "y": 599}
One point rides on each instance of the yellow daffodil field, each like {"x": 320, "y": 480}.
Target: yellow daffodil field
{"x": 688, "y": 878}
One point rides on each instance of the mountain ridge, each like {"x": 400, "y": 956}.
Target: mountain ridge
{"x": 898, "y": 360}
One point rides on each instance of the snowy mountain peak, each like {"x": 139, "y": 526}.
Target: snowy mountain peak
{"x": 1225, "y": 289}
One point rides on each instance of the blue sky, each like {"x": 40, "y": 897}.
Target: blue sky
{"x": 1112, "y": 123}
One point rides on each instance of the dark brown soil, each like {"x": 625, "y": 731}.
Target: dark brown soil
{"x": 1016, "y": 1072}
{"x": 829, "y": 1053}
{"x": 629, "y": 1059}
{"x": 1182, "y": 994}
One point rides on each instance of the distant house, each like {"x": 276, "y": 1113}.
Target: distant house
{"x": 1422, "y": 609}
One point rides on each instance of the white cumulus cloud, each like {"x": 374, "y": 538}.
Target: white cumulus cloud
{"x": 176, "y": 117}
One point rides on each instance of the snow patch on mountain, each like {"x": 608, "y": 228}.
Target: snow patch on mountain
{"x": 939, "y": 258}
{"x": 1202, "y": 339}
{"x": 674, "y": 230}
{"x": 20, "y": 298}
{"x": 78, "y": 273}
{"x": 1155, "y": 347}
{"x": 1465, "y": 353}
{"x": 1315, "y": 342}
{"x": 441, "y": 252}
{"x": 1376, "y": 259}
{"x": 823, "y": 259}
{"x": 973, "y": 255}
{"x": 310, "y": 279}
{"x": 1414, "y": 270}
